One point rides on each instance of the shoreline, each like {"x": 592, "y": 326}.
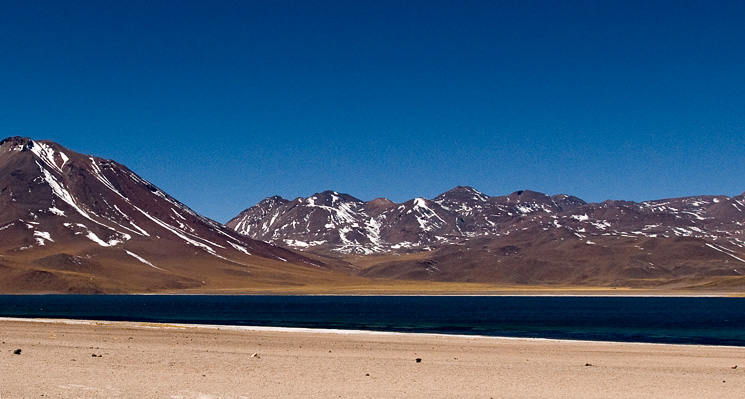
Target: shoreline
{"x": 328, "y": 331}
{"x": 569, "y": 294}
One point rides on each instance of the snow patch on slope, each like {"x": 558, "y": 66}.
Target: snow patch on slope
{"x": 141, "y": 259}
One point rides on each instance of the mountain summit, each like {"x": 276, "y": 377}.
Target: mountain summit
{"x": 77, "y": 223}
{"x": 344, "y": 224}
{"x": 525, "y": 237}
{"x": 72, "y": 222}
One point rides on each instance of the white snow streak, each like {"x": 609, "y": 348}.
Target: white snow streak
{"x": 724, "y": 252}
{"x": 57, "y": 212}
{"x": 141, "y": 259}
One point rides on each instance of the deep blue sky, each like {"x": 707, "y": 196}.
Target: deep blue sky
{"x": 224, "y": 103}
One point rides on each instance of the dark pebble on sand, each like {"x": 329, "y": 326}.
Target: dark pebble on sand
{"x": 17, "y": 352}
{"x": 419, "y": 360}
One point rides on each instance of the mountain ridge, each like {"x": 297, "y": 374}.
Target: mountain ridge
{"x": 465, "y": 201}
{"x": 525, "y": 237}
{"x": 80, "y": 223}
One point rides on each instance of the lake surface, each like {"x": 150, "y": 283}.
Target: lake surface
{"x": 713, "y": 321}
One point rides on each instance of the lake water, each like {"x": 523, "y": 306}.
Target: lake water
{"x": 713, "y": 321}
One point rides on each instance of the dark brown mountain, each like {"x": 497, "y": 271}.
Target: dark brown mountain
{"x": 344, "y": 224}
{"x": 525, "y": 237}
{"x": 76, "y": 223}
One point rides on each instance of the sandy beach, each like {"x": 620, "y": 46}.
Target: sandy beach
{"x": 61, "y": 359}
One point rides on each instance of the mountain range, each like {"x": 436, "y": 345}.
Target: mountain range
{"x": 525, "y": 237}
{"x": 79, "y": 223}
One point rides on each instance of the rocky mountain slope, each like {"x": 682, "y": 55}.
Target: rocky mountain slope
{"x": 525, "y": 237}
{"x": 76, "y": 223}
{"x": 72, "y": 222}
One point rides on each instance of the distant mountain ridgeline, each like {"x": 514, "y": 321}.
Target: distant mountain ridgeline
{"x": 524, "y": 238}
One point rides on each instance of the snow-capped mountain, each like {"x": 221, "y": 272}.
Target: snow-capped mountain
{"x": 89, "y": 224}
{"x": 76, "y": 223}
{"x": 345, "y": 224}
{"x": 326, "y": 218}
{"x": 523, "y": 237}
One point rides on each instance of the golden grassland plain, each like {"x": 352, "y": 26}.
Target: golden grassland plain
{"x": 24, "y": 274}
{"x": 405, "y": 287}
{"x": 80, "y": 359}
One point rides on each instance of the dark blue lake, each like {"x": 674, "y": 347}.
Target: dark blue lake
{"x": 714, "y": 321}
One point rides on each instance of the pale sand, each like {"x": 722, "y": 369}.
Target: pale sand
{"x": 155, "y": 361}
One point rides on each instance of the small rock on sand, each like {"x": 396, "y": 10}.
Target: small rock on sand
{"x": 419, "y": 360}
{"x": 17, "y": 352}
